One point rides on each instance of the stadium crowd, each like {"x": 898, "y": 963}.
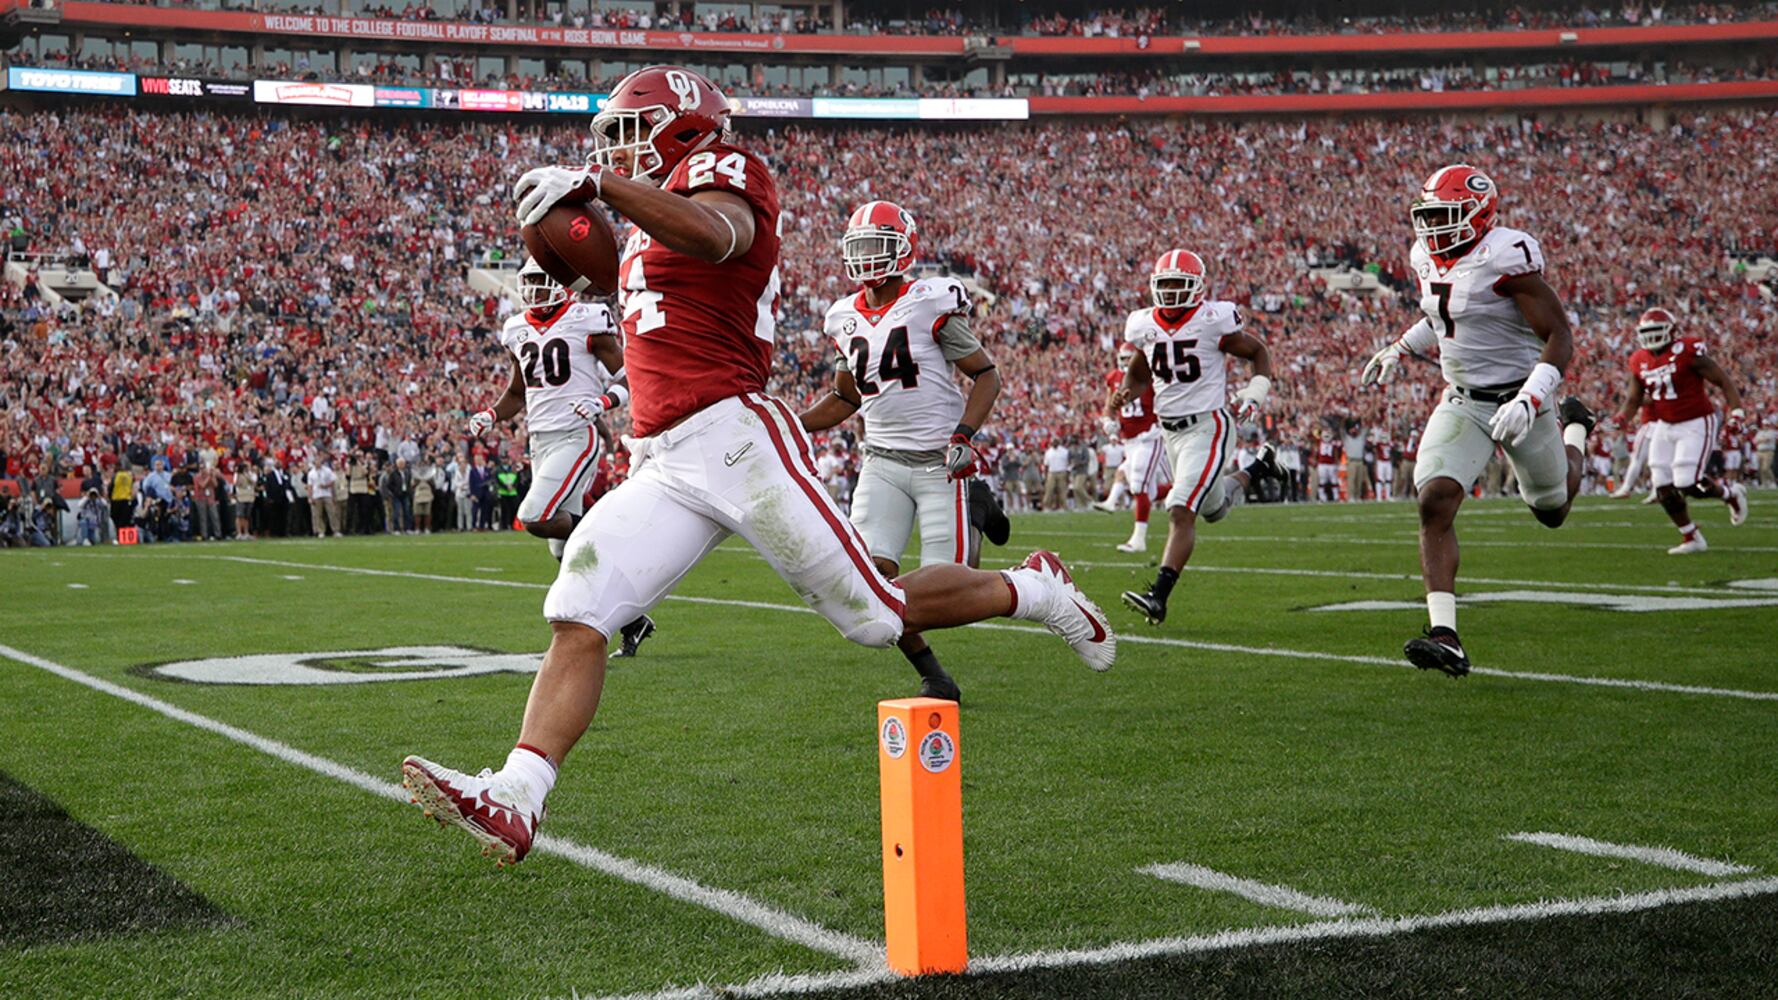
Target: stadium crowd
{"x": 292, "y": 301}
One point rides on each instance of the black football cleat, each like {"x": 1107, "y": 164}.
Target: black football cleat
{"x": 986, "y": 514}
{"x": 1149, "y": 606}
{"x": 1438, "y": 650}
{"x": 633, "y": 634}
{"x": 940, "y": 685}
{"x": 1268, "y": 461}
{"x": 1573, "y": 411}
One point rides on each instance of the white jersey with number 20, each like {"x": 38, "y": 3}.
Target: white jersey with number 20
{"x": 556, "y": 361}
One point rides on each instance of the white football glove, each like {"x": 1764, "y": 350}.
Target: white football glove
{"x": 959, "y": 458}
{"x": 539, "y": 189}
{"x": 1511, "y": 424}
{"x": 480, "y": 421}
{"x": 1380, "y": 370}
{"x": 1110, "y": 425}
{"x": 1252, "y": 397}
{"x": 589, "y": 409}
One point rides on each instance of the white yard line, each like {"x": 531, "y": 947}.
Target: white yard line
{"x": 1128, "y": 637}
{"x": 1327, "y": 930}
{"x": 733, "y": 905}
{"x": 1281, "y": 896}
{"x": 1408, "y": 539}
{"x": 1665, "y": 857}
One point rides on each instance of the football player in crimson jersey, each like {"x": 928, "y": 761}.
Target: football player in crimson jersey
{"x": 1145, "y": 468}
{"x": 1668, "y": 373}
{"x": 567, "y": 371}
{"x": 897, "y": 343}
{"x": 714, "y": 455}
{"x": 1182, "y": 346}
{"x": 1503, "y": 342}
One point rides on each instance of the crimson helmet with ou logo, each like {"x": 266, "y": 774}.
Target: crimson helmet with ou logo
{"x": 1454, "y": 208}
{"x": 1178, "y": 280}
{"x": 654, "y": 118}
{"x": 879, "y": 243}
{"x": 1654, "y": 328}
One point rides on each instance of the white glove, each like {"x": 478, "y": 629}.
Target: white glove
{"x": 480, "y": 421}
{"x": 539, "y": 189}
{"x": 960, "y": 458}
{"x": 1511, "y": 423}
{"x": 1250, "y": 399}
{"x": 589, "y": 409}
{"x": 1109, "y": 425}
{"x": 1382, "y": 365}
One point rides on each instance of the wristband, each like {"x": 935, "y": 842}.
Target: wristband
{"x": 615, "y": 397}
{"x": 1542, "y": 382}
{"x": 1263, "y": 384}
{"x": 964, "y": 431}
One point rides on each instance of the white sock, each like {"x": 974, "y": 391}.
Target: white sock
{"x": 557, "y": 546}
{"x": 535, "y": 771}
{"x": 1139, "y": 534}
{"x": 1575, "y": 436}
{"x": 1686, "y": 531}
{"x": 1441, "y": 607}
{"x": 1119, "y": 492}
{"x": 1030, "y": 594}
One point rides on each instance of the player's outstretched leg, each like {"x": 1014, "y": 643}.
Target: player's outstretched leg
{"x": 1439, "y": 648}
{"x": 1691, "y": 540}
{"x": 986, "y": 515}
{"x": 1577, "y": 423}
{"x": 1040, "y": 589}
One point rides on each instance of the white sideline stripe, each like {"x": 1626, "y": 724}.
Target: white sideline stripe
{"x": 1281, "y": 896}
{"x": 1666, "y": 857}
{"x": 1325, "y": 930}
{"x": 1408, "y": 538}
{"x": 1214, "y": 647}
{"x": 733, "y": 905}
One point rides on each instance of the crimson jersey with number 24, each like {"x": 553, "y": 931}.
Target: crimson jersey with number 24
{"x": 695, "y": 331}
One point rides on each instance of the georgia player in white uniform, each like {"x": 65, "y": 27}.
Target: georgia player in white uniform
{"x": 1503, "y": 340}
{"x": 1183, "y": 344}
{"x": 897, "y": 344}
{"x": 714, "y": 455}
{"x": 1145, "y": 468}
{"x": 565, "y": 356}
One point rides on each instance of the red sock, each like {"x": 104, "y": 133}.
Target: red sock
{"x": 1141, "y": 508}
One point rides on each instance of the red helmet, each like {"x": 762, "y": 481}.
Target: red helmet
{"x": 657, "y": 115}
{"x": 1654, "y": 329}
{"x": 1454, "y": 208}
{"x": 879, "y": 243}
{"x": 1178, "y": 280}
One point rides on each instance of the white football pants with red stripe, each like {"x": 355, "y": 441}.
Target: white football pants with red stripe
{"x": 562, "y": 466}
{"x": 740, "y": 466}
{"x": 890, "y": 495}
{"x": 1199, "y": 454}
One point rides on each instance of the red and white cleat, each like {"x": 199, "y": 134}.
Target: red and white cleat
{"x": 1735, "y": 495}
{"x": 492, "y": 811}
{"x": 1070, "y": 613}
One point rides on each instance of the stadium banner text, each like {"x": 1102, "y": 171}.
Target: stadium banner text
{"x": 70, "y": 81}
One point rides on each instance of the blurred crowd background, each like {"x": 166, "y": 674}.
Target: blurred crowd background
{"x": 294, "y": 345}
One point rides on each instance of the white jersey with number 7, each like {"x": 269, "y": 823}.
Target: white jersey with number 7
{"x": 1483, "y": 339}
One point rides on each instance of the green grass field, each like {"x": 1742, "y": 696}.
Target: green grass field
{"x": 719, "y": 823}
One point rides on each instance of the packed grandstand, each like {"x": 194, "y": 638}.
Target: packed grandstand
{"x": 285, "y": 287}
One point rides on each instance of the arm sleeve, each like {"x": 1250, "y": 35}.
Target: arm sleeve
{"x": 955, "y": 338}
{"x": 1420, "y": 337}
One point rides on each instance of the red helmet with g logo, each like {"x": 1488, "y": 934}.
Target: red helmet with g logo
{"x": 879, "y": 242}
{"x": 1454, "y": 208}
{"x": 1178, "y": 280}
{"x": 654, "y": 118}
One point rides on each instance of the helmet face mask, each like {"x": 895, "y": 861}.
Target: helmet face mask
{"x": 878, "y": 243}
{"x": 1177, "y": 281}
{"x": 537, "y": 289}
{"x": 654, "y": 118}
{"x": 1453, "y": 209}
{"x": 1654, "y": 331}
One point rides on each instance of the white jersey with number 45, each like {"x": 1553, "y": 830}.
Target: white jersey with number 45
{"x": 901, "y": 358}
{"x": 1186, "y": 358}
{"x": 556, "y": 361}
{"x": 1483, "y": 339}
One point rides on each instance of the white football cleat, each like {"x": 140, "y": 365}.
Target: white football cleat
{"x": 495, "y": 812}
{"x": 1735, "y": 495}
{"x": 1620, "y": 493}
{"x": 1696, "y": 544}
{"x": 1106, "y": 506}
{"x": 1131, "y": 546}
{"x": 1069, "y": 613}
{"x": 1654, "y": 496}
